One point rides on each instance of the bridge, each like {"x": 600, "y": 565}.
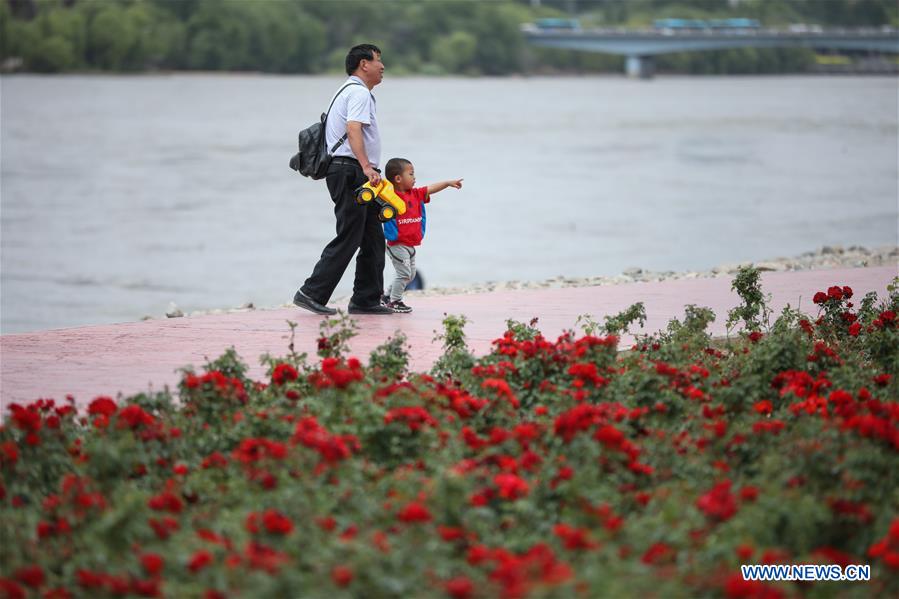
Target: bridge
{"x": 640, "y": 46}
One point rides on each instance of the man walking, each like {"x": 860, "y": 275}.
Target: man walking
{"x": 352, "y": 119}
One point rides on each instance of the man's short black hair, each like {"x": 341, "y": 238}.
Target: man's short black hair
{"x": 357, "y": 53}
{"x": 394, "y": 168}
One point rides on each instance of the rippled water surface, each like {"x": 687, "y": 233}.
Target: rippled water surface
{"x": 122, "y": 194}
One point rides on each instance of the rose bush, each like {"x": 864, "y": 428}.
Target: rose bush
{"x": 546, "y": 468}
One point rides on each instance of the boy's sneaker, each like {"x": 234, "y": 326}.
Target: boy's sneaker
{"x": 399, "y": 306}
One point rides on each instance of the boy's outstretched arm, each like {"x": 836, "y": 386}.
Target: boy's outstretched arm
{"x": 435, "y": 187}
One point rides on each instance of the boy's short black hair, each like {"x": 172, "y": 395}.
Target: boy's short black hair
{"x": 357, "y": 53}
{"x": 395, "y": 168}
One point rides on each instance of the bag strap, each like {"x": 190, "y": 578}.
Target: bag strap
{"x": 342, "y": 139}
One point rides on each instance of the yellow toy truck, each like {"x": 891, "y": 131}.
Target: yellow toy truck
{"x": 385, "y": 196}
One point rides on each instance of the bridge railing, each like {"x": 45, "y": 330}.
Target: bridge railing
{"x": 793, "y": 31}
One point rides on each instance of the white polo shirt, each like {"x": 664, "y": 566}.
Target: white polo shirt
{"x": 355, "y": 103}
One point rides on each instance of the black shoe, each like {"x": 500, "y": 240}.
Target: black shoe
{"x": 399, "y": 306}
{"x": 376, "y": 309}
{"x": 385, "y": 299}
{"x": 304, "y": 301}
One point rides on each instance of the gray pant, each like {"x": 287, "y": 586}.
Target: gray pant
{"x": 403, "y": 258}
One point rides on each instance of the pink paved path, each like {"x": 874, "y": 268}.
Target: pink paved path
{"x": 137, "y": 356}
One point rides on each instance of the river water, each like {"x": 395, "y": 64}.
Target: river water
{"x": 122, "y": 194}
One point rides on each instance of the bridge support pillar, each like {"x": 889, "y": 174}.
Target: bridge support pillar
{"x": 640, "y": 67}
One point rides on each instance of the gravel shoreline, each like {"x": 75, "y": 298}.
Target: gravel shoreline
{"x": 826, "y": 257}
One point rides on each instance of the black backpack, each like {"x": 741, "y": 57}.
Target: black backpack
{"x": 313, "y": 158}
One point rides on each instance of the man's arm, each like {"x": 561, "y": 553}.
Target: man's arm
{"x": 435, "y": 187}
{"x": 354, "y": 137}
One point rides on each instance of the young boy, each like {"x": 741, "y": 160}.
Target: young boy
{"x": 405, "y": 232}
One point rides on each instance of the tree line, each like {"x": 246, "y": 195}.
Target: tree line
{"x": 436, "y": 37}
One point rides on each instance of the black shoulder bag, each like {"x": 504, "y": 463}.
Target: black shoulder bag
{"x": 313, "y": 158}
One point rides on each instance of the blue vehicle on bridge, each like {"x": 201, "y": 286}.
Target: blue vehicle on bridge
{"x": 740, "y": 24}
{"x": 566, "y": 24}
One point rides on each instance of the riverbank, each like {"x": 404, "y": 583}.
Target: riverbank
{"x": 825, "y": 257}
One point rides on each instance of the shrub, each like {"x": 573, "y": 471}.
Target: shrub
{"x": 544, "y": 468}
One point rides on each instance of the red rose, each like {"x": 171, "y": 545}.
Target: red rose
{"x": 718, "y": 503}
{"x": 328, "y": 524}
{"x": 414, "y": 512}
{"x": 511, "y": 486}
{"x": 199, "y": 560}
{"x": 277, "y": 523}
{"x": 854, "y": 329}
{"x": 27, "y": 419}
{"x": 478, "y": 554}
{"x": 45, "y": 529}
{"x": 744, "y": 551}
{"x": 102, "y": 406}
{"x": 891, "y": 560}
{"x": 820, "y": 297}
{"x": 574, "y": 538}
{"x": 450, "y": 533}
{"x": 284, "y": 373}
{"x": 459, "y": 588}
{"x": 342, "y": 576}
{"x": 749, "y": 493}
{"x": 882, "y": 380}
{"x": 152, "y": 563}
{"x": 89, "y": 580}
{"x": 737, "y": 588}
{"x": 32, "y": 576}
{"x": 834, "y": 293}
{"x": 166, "y": 502}
{"x": 894, "y": 530}
{"x": 878, "y": 549}
{"x": 609, "y": 436}
{"x": 9, "y": 452}
{"x": 657, "y": 553}
{"x": 763, "y": 407}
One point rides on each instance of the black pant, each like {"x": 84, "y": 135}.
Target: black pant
{"x": 358, "y": 228}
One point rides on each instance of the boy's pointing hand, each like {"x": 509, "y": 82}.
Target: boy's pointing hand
{"x": 456, "y": 183}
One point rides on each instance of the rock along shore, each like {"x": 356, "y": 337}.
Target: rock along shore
{"x": 835, "y": 256}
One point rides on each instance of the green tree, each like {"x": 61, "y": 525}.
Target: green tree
{"x": 51, "y": 55}
{"x": 71, "y": 26}
{"x": 112, "y": 37}
{"x": 285, "y": 38}
{"x": 309, "y": 44}
{"x": 8, "y": 28}
{"x": 500, "y": 42}
{"x": 455, "y": 51}
{"x": 352, "y": 20}
{"x": 218, "y": 36}
{"x": 160, "y": 38}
